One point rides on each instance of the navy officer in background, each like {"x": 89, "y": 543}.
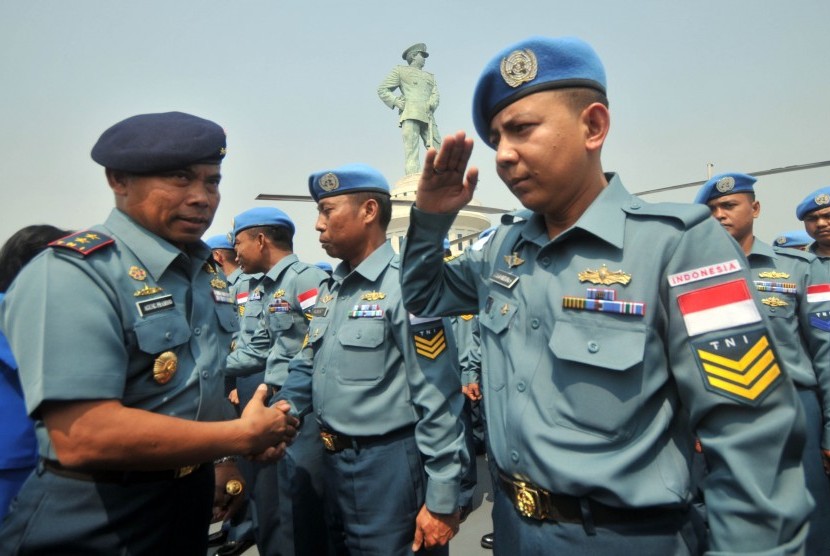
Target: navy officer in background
{"x": 385, "y": 387}
{"x": 611, "y": 329}
{"x": 814, "y": 211}
{"x": 121, "y": 332}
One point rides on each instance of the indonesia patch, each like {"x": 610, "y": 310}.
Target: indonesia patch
{"x": 818, "y": 293}
{"x": 430, "y": 342}
{"x": 695, "y": 274}
{"x": 742, "y": 367}
{"x": 718, "y": 307}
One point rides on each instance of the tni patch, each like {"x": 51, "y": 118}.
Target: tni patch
{"x": 741, "y": 366}
{"x": 430, "y": 342}
{"x": 820, "y": 320}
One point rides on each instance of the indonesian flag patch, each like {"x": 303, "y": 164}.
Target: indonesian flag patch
{"x": 718, "y": 307}
{"x": 307, "y": 299}
{"x": 818, "y": 292}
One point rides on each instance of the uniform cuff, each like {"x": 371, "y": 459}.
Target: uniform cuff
{"x": 442, "y": 498}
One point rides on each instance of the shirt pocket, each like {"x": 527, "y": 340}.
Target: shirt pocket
{"x": 280, "y": 322}
{"x": 363, "y": 357}
{"x": 494, "y": 323}
{"x": 253, "y": 314}
{"x": 227, "y": 317}
{"x": 162, "y": 333}
{"x": 598, "y": 372}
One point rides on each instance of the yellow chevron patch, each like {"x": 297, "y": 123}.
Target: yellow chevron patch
{"x": 743, "y": 367}
{"x": 467, "y": 317}
{"x": 430, "y": 343}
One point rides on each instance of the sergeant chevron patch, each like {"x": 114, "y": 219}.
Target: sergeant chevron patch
{"x": 430, "y": 342}
{"x": 742, "y": 366}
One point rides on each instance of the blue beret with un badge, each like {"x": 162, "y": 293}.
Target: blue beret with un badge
{"x": 793, "y": 238}
{"x": 532, "y": 65}
{"x": 220, "y": 241}
{"x": 818, "y": 199}
{"x": 351, "y": 178}
{"x": 159, "y": 143}
{"x": 261, "y": 216}
{"x": 725, "y": 184}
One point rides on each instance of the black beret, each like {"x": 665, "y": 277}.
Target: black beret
{"x": 160, "y": 142}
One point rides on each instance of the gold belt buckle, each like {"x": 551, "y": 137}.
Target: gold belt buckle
{"x": 328, "y": 441}
{"x": 184, "y": 471}
{"x": 527, "y": 500}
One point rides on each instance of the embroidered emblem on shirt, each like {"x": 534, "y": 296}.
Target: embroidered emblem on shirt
{"x": 209, "y": 268}
{"x": 718, "y": 307}
{"x": 218, "y": 284}
{"x": 279, "y": 293}
{"x": 773, "y": 275}
{"x": 137, "y": 273}
{"x": 326, "y": 298}
{"x": 604, "y": 276}
{"x": 818, "y": 292}
{"x": 430, "y": 342}
{"x": 373, "y": 296}
{"x": 307, "y": 300}
{"x": 147, "y": 290}
{"x": 520, "y": 66}
{"x": 513, "y": 260}
{"x": 165, "y": 367}
{"x": 83, "y": 242}
{"x": 774, "y": 301}
{"x": 604, "y": 301}
{"x": 695, "y": 274}
{"x": 742, "y": 367}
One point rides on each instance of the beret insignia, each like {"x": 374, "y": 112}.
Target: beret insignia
{"x": 725, "y": 184}
{"x": 519, "y": 67}
{"x": 822, "y": 199}
{"x": 329, "y": 182}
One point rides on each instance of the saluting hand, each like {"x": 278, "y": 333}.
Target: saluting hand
{"x": 433, "y": 529}
{"x": 443, "y": 187}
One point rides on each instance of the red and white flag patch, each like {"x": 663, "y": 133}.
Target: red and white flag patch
{"x": 717, "y": 307}
{"x": 242, "y": 298}
{"x": 308, "y": 298}
{"x": 818, "y": 292}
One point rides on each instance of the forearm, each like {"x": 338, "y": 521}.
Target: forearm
{"x": 106, "y": 434}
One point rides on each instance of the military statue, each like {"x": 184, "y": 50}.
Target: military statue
{"x": 416, "y": 104}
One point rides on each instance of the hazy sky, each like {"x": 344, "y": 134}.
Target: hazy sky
{"x": 742, "y": 84}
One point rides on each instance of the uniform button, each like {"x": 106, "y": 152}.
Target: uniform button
{"x": 772, "y": 309}
{"x": 204, "y": 374}
{"x": 635, "y": 205}
{"x": 544, "y": 261}
{"x": 358, "y": 335}
{"x": 319, "y": 412}
{"x": 534, "y": 323}
{"x": 514, "y": 455}
{"x": 323, "y": 370}
{"x": 197, "y": 331}
{"x": 520, "y": 386}
{"x": 593, "y": 347}
{"x": 168, "y": 335}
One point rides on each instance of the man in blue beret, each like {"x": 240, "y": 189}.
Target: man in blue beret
{"x": 789, "y": 283}
{"x": 794, "y": 239}
{"x": 225, "y": 257}
{"x": 814, "y": 211}
{"x": 121, "y": 332}
{"x": 383, "y": 386}
{"x": 416, "y": 104}
{"x": 287, "y": 495}
{"x": 611, "y": 331}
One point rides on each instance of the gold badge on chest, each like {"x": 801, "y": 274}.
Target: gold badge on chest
{"x": 165, "y": 367}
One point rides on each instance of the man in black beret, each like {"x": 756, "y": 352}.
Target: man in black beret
{"x": 121, "y": 331}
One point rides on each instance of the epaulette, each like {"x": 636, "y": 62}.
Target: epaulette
{"x": 794, "y": 253}
{"x": 84, "y": 242}
{"x": 687, "y": 213}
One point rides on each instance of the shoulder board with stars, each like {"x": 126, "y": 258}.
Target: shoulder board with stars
{"x": 84, "y": 242}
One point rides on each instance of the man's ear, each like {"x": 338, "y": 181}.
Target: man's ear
{"x": 117, "y": 181}
{"x": 597, "y": 120}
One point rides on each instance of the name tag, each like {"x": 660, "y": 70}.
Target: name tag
{"x": 154, "y": 305}
{"x": 222, "y": 296}
{"x": 505, "y": 279}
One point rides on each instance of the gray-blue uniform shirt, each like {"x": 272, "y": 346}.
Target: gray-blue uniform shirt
{"x": 289, "y": 290}
{"x": 597, "y": 344}
{"x": 90, "y": 327}
{"x": 825, "y": 260}
{"x": 375, "y": 372}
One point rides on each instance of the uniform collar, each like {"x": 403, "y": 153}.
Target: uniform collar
{"x": 371, "y": 267}
{"x": 234, "y": 276}
{"x": 812, "y": 248}
{"x": 280, "y": 267}
{"x": 604, "y": 218}
{"x": 761, "y": 249}
{"x": 155, "y": 253}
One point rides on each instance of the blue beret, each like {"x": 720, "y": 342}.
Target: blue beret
{"x": 793, "y": 238}
{"x": 818, "y": 199}
{"x": 446, "y": 243}
{"x": 160, "y": 142}
{"x": 219, "y": 242}
{"x": 261, "y": 216}
{"x": 323, "y": 265}
{"x": 350, "y": 178}
{"x": 532, "y": 65}
{"x": 725, "y": 184}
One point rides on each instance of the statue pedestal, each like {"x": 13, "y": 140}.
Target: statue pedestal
{"x": 467, "y": 223}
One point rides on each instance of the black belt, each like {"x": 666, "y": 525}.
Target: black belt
{"x": 537, "y": 503}
{"x": 336, "y": 442}
{"x": 111, "y": 476}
